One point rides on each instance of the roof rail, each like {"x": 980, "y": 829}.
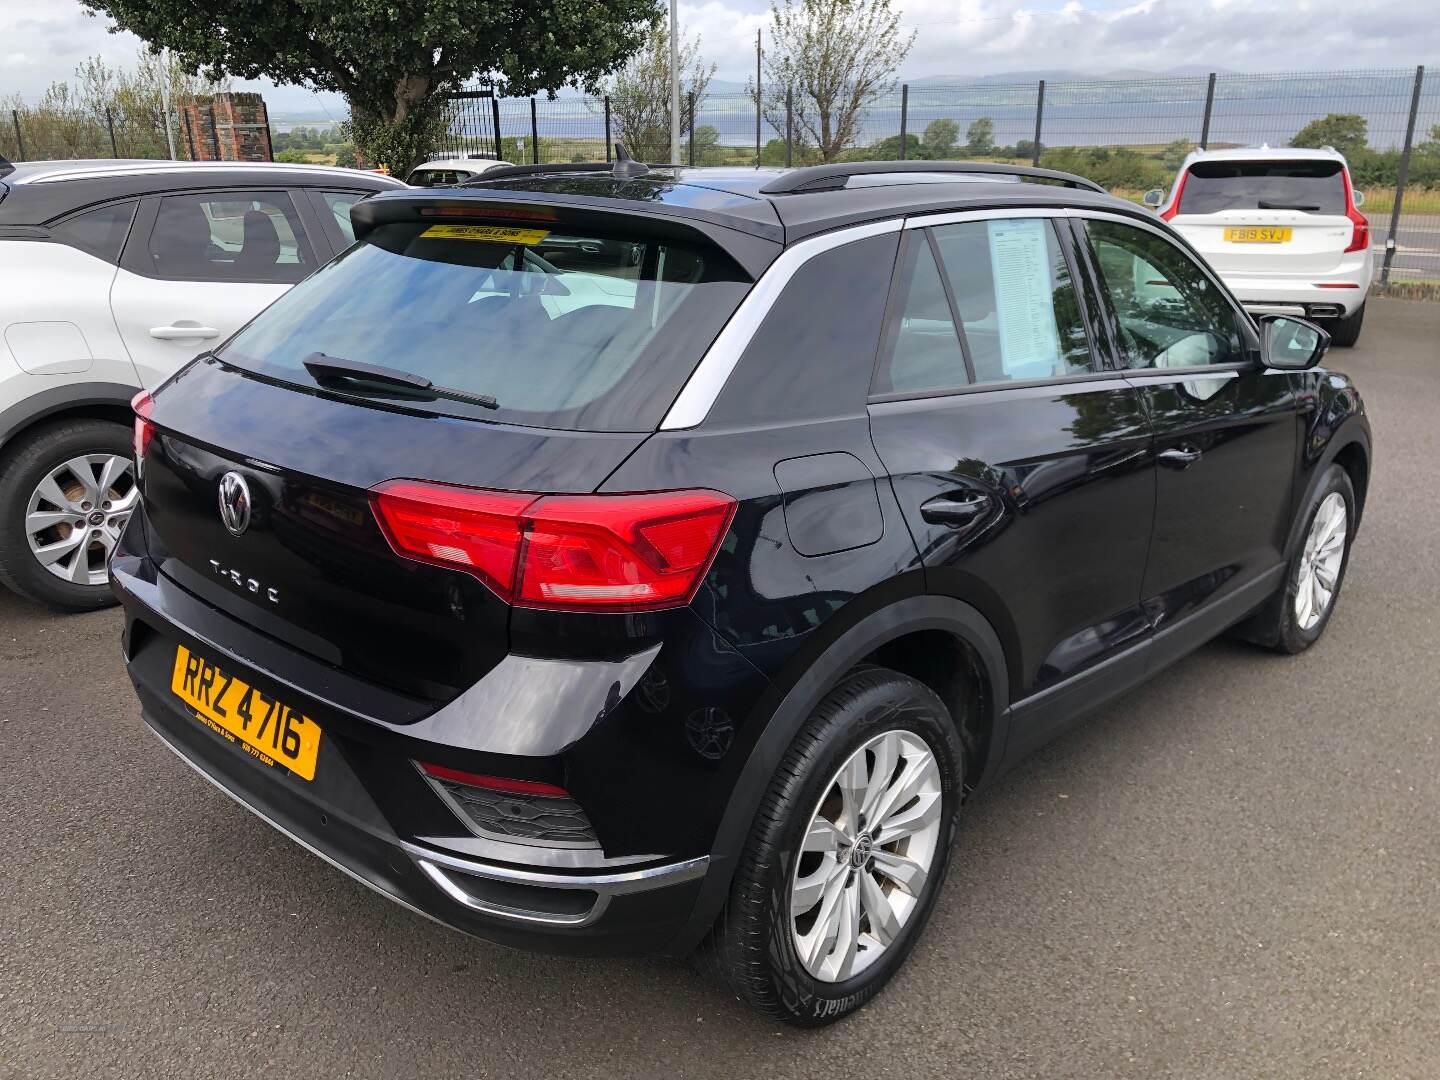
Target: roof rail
{"x": 623, "y": 167}
{"x": 833, "y": 177}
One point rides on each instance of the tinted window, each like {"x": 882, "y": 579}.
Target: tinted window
{"x": 478, "y": 310}
{"x": 100, "y": 232}
{"x": 1019, "y": 314}
{"x": 1313, "y": 186}
{"x": 229, "y": 237}
{"x": 339, "y": 204}
{"x": 437, "y": 177}
{"x": 1169, "y": 313}
{"x": 925, "y": 351}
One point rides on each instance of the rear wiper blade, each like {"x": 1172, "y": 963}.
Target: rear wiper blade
{"x": 322, "y": 366}
{"x": 1265, "y": 205}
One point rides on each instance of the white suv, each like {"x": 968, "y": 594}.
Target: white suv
{"x": 112, "y": 275}
{"x": 1282, "y": 228}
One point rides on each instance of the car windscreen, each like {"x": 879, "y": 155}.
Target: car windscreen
{"x": 1315, "y": 187}
{"x": 586, "y": 332}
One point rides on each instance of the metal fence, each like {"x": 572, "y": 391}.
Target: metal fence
{"x": 1129, "y": 135}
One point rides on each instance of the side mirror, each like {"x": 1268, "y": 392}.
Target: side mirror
{"x": 1357, "y": 197}
{"x": 1291, "y": 344}
{"x": 1155, "y": 196}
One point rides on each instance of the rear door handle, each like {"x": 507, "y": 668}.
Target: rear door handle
{"x": 954, "y": 510}
{"x": 180, "y": 333}
{"x": 1180, "y": 457}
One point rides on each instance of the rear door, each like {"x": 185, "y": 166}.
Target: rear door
{"x": 199, "y": 265}
{"x": 1020, "y": 460}
{"x": 1282, "y": 217}
{"x": 1225, "y": 427}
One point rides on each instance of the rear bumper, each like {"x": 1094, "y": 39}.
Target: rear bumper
{"x": 1322, "y": 295}
{"x": 626, "y": 905}
{"x": 632, "y": 912}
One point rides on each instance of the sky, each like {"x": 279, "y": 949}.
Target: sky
{"x": 43, "y": 40}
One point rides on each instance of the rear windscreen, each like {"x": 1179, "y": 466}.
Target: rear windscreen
{"x": 1315, "y": 187}
{"x": 583, "y": 331}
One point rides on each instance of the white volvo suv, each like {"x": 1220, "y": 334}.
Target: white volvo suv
{"x": 112, "y": 275}
{"x": 1282, "y": 228}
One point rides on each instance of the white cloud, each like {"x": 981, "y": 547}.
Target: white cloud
{"x": 44, "y": 41}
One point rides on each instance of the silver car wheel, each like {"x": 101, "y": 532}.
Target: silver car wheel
{"x": 1318, "y": 575}
{"x": 867, "y": 854}
{"x": 75, "y": 515}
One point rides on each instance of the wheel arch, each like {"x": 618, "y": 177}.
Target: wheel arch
{"x": 915, "y": 635}
{"x": 73, "y": 401}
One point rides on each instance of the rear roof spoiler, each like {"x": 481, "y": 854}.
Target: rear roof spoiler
{"x": 5, "y": 167}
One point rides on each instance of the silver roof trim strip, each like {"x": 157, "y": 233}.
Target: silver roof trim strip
{"x": 58, "y": 175}
{"x": 709, "y": 377}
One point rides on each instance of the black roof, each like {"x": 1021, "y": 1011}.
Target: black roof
{"x": 737, "y": 199}
{"x": 37, "y": 192}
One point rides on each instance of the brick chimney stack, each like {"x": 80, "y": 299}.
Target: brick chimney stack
{"x": 227, "y": 127}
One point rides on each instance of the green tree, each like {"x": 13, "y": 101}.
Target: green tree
{"x": 1174, "y": 154}
{"x": 1346, "y": 132}
{"x": 888, "y": 149}
{"x": 639, "y": 95}
{"x": 940, "y": 138}
{"x": 707, "y": 145}
{"x": 980, "y": 136}
{"x": 394, "y": 61}
{"x": 835, "y": 57}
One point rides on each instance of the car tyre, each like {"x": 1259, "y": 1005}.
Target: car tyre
{"x": 1346, "y": 331}
{"x": 1293, "y": 620}
{"x": 27, "y": 464}
{"x": 899, "y": 731}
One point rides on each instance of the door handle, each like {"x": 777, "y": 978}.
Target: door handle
{"x": 955, "y": 510}
{"x": 1180, "y": 457}
{"x": 181, "y": 333}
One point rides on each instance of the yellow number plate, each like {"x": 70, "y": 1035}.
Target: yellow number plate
{"x": 1253, "y": 234}
{"x": 495, "y": 234}
{"x": 263, "y": 727}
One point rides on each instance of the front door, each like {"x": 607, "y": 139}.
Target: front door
{"x": 1225, "y": 428}
{"x": 198, "y": 266}
{"x": 998, "y": 422}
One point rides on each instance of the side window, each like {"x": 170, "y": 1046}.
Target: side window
{"x": 100, "y": 232}
{"x": 1169, "y": 312}
{"x": 1019, "y": 312}
{"x": 339, "y": 204}
{"x": 232, "y": 236}
{"x": 924, "y": 348}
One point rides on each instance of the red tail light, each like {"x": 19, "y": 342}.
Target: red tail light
{"x": 577, "y": 552}
{"x": 1360, "y": 236}
{"x": 143, "y": 405}
{"x": 1174, "y": 207}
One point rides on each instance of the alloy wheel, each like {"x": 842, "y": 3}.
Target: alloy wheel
{"x": 75, "y": 515}
{"x": 1319, "y": 572}
{"x": 867, "y": 853}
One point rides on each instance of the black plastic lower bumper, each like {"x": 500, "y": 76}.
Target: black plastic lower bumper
{"x": 607, "y": 911}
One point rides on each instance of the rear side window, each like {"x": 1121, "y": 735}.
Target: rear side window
{"x": 1014, "y": 302}
{"x": 477, "y": 308}
{"x": 100, "y": 232}
{"x": 338, "y": 203}
{"x": 231, "y": 236}
{"x": 1315, "y": 187}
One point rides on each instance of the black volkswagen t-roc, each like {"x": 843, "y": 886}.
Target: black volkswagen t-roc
{"x": 656, "y": 563}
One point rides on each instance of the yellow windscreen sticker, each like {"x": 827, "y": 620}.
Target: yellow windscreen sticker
{"x": 493, "y": 233}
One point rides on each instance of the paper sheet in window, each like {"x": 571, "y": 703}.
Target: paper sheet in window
{"x": 1024, "y": 298}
